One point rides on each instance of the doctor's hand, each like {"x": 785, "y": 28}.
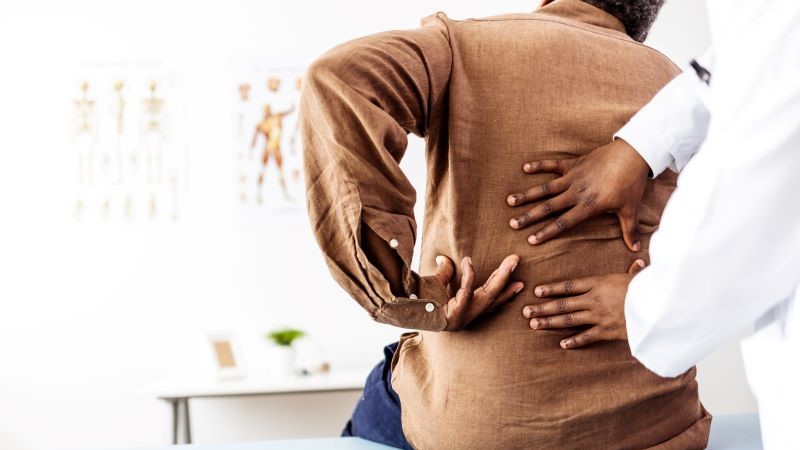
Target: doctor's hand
{"x": 598, "y": 303}
{"x": 610, "y": 179}
{"x": 470, "y": 302}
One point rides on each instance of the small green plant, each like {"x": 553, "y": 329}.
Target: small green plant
{"x": 284, "y": 337}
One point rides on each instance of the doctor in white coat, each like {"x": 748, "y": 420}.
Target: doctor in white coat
{"x": 727, "y": 254}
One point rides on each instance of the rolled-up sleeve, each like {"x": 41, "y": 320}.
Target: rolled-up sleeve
{"x": 359, "y": 103}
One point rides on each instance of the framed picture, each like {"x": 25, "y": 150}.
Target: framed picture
{"x": 227, "y": 355}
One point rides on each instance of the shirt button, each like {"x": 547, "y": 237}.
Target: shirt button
{"x": 393, "y": 243}
{"x": 429, "y": 307}
{"x": 413, "y": 296}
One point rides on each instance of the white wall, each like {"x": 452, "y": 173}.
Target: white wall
{"x": 89, "y": 312}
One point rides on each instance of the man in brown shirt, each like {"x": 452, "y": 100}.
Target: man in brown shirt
{"x": 489, "y": 95}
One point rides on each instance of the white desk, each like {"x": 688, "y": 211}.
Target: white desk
{"x": 177, "y": 392}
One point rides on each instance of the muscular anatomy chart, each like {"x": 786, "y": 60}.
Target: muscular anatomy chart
{"x": 266, "y": 145}
{"x": 271, "y": 127}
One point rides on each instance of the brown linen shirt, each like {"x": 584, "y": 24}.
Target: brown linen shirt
{"x": 488, "y": 95}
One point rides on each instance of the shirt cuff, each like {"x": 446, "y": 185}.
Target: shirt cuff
{"x": 423, "y": 310}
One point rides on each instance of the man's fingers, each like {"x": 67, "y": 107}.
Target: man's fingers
{"x": 583, "y": 339}
{"x": 562, "y": 223}
{"x": 508, "y": 293}
{"x": 469, "y": 304}
{"x": 467, "y": 275}
{"x": 498, "y": 280}
{"x": 563, "y": 321}
{"x": 549, "y": 166}
{"x": 566, "y": 288}
{"x": 455, "y": 311}
{"x": 541, "y": 211}
{"x": 554, "y": 307}
{"x": 496, "y": 290}
{"x": 444, "y": 269}
{"x": 629, "y": 221}
{"x": 637, "y": 266}
{"x": 554, "y": 187}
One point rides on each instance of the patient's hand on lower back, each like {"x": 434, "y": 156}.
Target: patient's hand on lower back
{"x": 470, "y": 303}
{"x": 609, "y": 179}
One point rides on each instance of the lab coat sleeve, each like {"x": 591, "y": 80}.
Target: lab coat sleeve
{"x": 668, "y": 131}
{"x": 728, "y": 248}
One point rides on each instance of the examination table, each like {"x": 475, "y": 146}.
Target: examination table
{"x": 734, "y": 432}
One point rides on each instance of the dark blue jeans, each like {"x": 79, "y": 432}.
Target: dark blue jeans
{"x": 377, "y": 414}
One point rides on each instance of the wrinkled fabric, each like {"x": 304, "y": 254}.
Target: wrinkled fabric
{"x": 488, "y": 95}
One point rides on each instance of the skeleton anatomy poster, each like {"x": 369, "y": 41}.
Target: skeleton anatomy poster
{"x": 127, "y": 143}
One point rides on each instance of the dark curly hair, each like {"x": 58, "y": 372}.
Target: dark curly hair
{"x": 637, "y": 15}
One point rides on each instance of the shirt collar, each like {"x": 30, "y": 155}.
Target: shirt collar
{"x": 583, "y": 12}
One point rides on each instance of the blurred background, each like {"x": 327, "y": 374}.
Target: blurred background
{"x": 134, "y": 233}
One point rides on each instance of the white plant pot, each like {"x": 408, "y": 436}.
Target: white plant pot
{"x": 283, "y": 361}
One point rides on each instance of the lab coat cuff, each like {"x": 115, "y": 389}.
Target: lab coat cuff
{"x": 648, "y": 343}
{"x": 655, "y": 152}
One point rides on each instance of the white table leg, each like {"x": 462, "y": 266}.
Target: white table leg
{"x": 174, "y": 403}
{"x": 187, "y": 428}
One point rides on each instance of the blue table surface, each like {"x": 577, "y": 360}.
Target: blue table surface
{"x": 733, "y": 432}
{"x": 289, "y": 444}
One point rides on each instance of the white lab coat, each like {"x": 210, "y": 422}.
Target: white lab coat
{"x": 727, "y": 254}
